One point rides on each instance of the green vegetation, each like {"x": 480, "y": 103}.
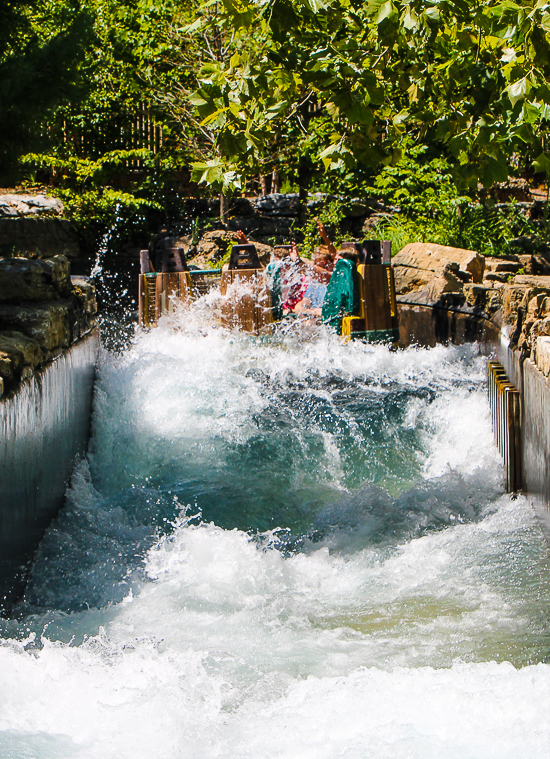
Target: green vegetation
{"x": 433, "y": 210}
{"x": 122, "y": 103}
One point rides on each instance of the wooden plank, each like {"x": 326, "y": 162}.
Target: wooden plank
{"x": 145, "y": 262}
{"x": 184, "y": 291}
{"x": 246, "y": 312}
{"x": 171, "y": 290}
{"x": 376, "y": 297}
{"x": 141, "y": 298}
{"x": 264, "y": 312}
{"x": 241, "y": 309}
{"x": 159, "y": 289}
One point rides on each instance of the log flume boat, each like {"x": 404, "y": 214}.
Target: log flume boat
{"x": 360, "y": 301}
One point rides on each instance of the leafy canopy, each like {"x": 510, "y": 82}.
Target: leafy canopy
{"x": 347, "y": 80}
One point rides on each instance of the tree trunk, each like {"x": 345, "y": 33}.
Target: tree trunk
{"x": 304, "y": 177}
{"x": 263, "y": 185}
{"x": 275, "y": 181}
{"x": 224, "y": 208}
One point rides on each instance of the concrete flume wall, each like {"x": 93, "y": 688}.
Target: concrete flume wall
{"x": 43, "y": 427}
{"x": 428, "y": 325}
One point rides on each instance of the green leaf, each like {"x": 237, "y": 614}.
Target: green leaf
{"x": 542, "y": 163}
{"x": 195, "y": 26}
{"x": 213, "y": 116}
{"x": 387, "y": 11}
{"x": 518, "y": 90}
{"x": 197, "y": 100}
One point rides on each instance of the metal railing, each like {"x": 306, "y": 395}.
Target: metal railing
{"x": 504, "y": 402}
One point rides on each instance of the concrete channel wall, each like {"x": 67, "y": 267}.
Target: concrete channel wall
{"x": 44, "y": 426}
{"x": 428, "y": 325}
{"x": 534, "y": 389}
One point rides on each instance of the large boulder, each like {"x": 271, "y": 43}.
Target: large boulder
{"x": 430, "y": 257}
{"x": 25, "y": 280}
{"x": 26, "y": 205}
{"x": 445, "y": 282}
{"x": 50, "y": 324}
{"x": 38, "y": 237}
{"x": 19, "y": 356}
{"x": 408, "y": 279}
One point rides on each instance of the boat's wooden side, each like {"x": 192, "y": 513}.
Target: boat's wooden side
{"x": 248, "y": 301}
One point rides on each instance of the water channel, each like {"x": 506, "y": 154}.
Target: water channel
{"x": 283, "y": 547}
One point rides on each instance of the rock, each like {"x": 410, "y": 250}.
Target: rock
{"x": 502, "y": 265}
{"x": 214, "y": 245}
{"x": 408, "y": 279}
{"x": 432, "y": 257}
{"x": 512, "y": 298}
{"x": 24, "y": 280}
{"x": 264, "y": 252}
{"x": 84, "y": 291}
{"x": 497, "y": 276}
{"x": 6, "y": 209}
{"x": 439, "y": 286}
{"x": 538, "y": 328}
{"x": 25, "y": 204}
{"x": 481, "y": 297}
{"x": 17, "y": 354}
{"x": 541, "y": 282}
{"x": 539, "y": 266}
{"x": 50, "y": 324}
{"x": 538, "y": 306}
{"x": 372, "y": 221}
{"x": 38, "y": 237}
{"x": 278, "y": 204}
{"x": 7, "y": 371}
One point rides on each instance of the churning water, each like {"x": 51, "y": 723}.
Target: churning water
{"x": 283, "y": 547}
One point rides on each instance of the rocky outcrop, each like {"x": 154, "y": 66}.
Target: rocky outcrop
{"x": 429, "y": 258}
{"x": 38, "y": 237}
{"x": 212, "y": 248}
{"x": 462, "y": 281}
{"x": 43, "y": 310}
{"x": 23, "y": 204}
{"x": 32, "y": 226}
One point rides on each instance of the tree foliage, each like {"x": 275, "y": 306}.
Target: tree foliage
{"x": 42, "y": 48}
{"x": 348, "y": 80}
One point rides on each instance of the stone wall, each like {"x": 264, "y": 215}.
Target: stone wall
{"x": 48, "y": 348}
{"x": 447, "y": 295}
{"x": 463, "y": 290}
{"x": 33, "y": 226}
{"x": 43, "y": 311}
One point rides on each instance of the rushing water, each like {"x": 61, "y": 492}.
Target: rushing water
{"x": 283, "y": 547}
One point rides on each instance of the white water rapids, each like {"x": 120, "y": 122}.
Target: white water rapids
{"x": 283, "y": 548}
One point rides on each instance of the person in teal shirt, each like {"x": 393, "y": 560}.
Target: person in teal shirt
{"x": 342, "y": 296}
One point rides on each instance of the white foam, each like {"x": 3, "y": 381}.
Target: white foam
{"x": 227, "y": 646}
{"x": 233, "y": 650}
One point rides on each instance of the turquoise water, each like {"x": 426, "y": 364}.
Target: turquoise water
{"x": 283, "y": 547}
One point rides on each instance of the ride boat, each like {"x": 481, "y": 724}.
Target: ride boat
{"x": 360, "y": 301}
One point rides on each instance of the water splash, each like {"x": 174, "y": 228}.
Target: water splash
{"x": 283, "y": 548}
